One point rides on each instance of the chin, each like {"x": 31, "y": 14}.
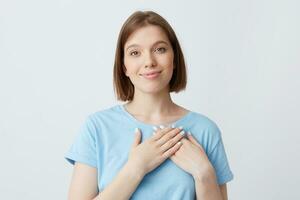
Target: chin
{"x": 153, "y": 90}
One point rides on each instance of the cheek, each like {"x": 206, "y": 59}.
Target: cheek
{"x": 169, "y": 60}
{"x": 131, "y": 66}
{"x": 169, "y": 64}
{"x": 128, "y": 66}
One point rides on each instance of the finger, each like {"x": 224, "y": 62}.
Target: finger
{"x": 192, "y": 139}
{"x": 167, "y": 136}
{"x": 162, "y": 126}
{"x": 174, "y": 157}
{"x": 158, "y": 133}
{"x": 171, "y": 142}
{"x": 137, "y": 137}
{"x": 172, "y": 150}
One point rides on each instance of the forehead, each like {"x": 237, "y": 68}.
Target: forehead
{"x": 146, "y": 36}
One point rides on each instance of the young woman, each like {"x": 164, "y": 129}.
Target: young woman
{"x": 149, "y": 147}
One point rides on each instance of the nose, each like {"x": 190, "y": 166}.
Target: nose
{"x": 149, "y": 60}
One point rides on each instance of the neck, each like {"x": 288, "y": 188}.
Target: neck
{"x": 152, "y": 105}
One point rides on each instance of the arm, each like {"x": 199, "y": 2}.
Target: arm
{"x": 223, "y": 189}
{"x": 84, "y": 184}
{"x": 125, "y": 183}
{"x": 207, "y": 188}
{"x": 143, "y": 158}
{"x": 206, "y": 185}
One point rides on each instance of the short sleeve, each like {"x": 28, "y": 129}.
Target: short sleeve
{"x": 84, "y": 147}
{"x": 219, "y": 161}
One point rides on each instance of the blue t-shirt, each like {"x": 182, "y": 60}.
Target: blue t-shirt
{"x": 104, "y": 142}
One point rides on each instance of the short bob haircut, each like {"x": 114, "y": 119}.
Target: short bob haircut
{"x": 124, "y": 89}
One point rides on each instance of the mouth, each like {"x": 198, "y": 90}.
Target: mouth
{"x": 151, "y": 75}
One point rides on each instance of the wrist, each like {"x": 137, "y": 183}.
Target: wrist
{"x": 205, "y": 174}
{"x": 134, "y": 172}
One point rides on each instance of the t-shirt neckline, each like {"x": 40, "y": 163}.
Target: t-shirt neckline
{"x": 132, "y": 118}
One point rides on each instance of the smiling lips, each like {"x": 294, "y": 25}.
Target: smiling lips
{"x": 151, "y": 75}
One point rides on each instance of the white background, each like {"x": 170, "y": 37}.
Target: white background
{"x": 243, "y": 57}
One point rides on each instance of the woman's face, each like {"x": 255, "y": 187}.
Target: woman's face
{"x": 148, "y": 59}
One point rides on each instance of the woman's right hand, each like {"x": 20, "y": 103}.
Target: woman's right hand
{"x": 146, "y": 156}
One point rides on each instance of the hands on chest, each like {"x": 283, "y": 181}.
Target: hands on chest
{"x": 169, "y": 142}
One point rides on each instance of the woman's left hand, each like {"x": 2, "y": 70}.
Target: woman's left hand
{"x": 192, "y": 158}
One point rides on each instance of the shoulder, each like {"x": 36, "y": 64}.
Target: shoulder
{"x": 204, "y": 129}
{"x": 202, "y": 126}
{"x": 203, "y": 120}
{"x": 95, "y": 121}
{"x": 198, "y": 117}
{"x": 108, "y": 117}
{"x": 104, "y": 113}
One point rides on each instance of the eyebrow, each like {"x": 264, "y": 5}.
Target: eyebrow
{"x": 136, "y": 45}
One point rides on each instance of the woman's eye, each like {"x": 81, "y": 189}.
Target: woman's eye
{"x": 161, "y": 49}
{"x": 134, "y": 53}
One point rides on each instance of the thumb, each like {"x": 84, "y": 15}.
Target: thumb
{"x": 137, "y": 137}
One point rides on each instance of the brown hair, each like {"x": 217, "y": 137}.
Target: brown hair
{"x": 123, "y": 87}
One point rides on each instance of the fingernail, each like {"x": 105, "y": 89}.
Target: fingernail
{"x": 179, "y": 142}
{"x": 180, "y": 127}
{"x": 161, "y": 126}
{"x": 136, "y": 130}
{"x": 189, "y": 133}
{"x": 154, "y": 128}
{"x": 182, "y": 132}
